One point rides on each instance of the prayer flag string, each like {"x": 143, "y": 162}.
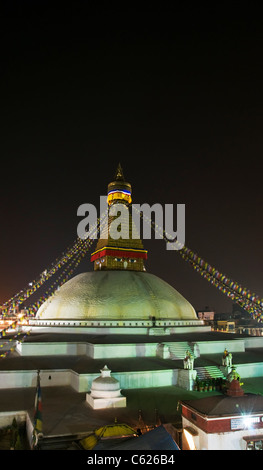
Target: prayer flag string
{"x": 67, "y": 263}
{"x": 251, "y": 302}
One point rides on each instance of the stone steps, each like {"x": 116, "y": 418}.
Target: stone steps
{"x": 209, "y": 372}
{"x": 177, "y": 350}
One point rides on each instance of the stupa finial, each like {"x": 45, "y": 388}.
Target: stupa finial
{"x": 119, "y": 190}
{"x": 119, "y": 176}
{"x": 124, "y": 252}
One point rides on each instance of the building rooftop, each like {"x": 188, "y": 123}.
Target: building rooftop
{"x": 223, "y": 405}
{"x": 65, "y": 411}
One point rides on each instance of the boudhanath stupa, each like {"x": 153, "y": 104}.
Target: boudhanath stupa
{"x": 120, "y": 315}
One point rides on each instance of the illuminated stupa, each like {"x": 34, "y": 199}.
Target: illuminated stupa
{"x": 133, "y": 321}
{"x": 119, "y": 292}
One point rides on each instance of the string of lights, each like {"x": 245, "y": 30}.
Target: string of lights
{"x": 73, "y": 255}
{"x": 69, "y": 259}
{"x": 248, "y": 300}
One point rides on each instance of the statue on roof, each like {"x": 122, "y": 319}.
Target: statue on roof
{"x": 227, "y": 359}
{"x": 188, "y": 360}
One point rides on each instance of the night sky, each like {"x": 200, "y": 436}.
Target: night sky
{"x": 174, "y": 94}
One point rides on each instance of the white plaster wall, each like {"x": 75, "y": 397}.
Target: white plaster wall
{"x": 254, "y": 342}
{"x": 28, "y": 378}
{"x": 29, "y": 429}
{"x": 16, "y": 379}
{"x": 51, "y": 327}
{"x": 51, "y": 349}
{"x": 145, "y": 379}
{"x": 82, "y": 382}
{"x": 186, "y": 378}
{"x": 124, "y": 350}
{"x": 128, "y": 380}
{"x": 206, "y": 347}
{"x": 96, "y": 351}
{"x": 231, "y": 440}
{"x": 221, "y": 441}
{"x": 254, "y": 369}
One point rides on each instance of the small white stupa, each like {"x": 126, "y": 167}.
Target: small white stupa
{"x": 105, "y": 392}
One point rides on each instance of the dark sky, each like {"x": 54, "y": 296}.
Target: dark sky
{"x": 174, "y": 94}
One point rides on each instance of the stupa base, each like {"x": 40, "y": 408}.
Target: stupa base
{"x": 100, "y": 403}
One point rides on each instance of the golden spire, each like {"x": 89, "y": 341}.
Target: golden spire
{"x": 125, "y": 252}
{"x": 119, "y": 190}
{"x": 119, "y": 174}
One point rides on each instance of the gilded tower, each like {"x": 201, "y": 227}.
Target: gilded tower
{"x": 125, "y": 252}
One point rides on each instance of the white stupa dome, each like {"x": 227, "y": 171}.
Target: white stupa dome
{"x": 120, "y": 295}
{"x": 105, "y": 385}
{"x": 105, "y": 392}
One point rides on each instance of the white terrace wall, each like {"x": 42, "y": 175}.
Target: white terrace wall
{"x": 95, "y": 351}
{"x": 28, "y": 378}
{"x": 215, "y": 347}
{"x": 82, "y": 382}
{"x": 254, "y": 342}
{"x": 253, "y": 369}
{"x": 124, "y": 350}
{"x": 128, "y": 380}
{"x": 52, "y": 349}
